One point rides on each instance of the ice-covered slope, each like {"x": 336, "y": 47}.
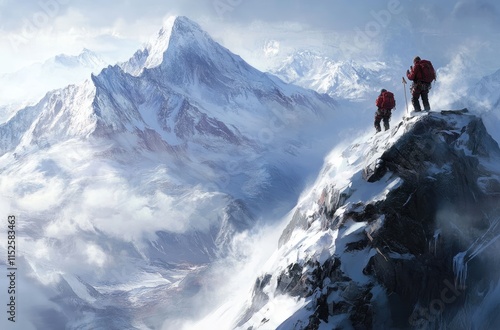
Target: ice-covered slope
{"x": 129, "y": 185}
{"x": 399, "y": 231}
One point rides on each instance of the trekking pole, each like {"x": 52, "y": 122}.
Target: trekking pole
{"x": 406, "y": 99}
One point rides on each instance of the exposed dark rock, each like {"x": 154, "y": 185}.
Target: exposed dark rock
{"x": 298, "y": 221}
{"x": 369, "y": 213}
{"x": 375, "y": 171}
{"x": 292, "y": 281}
{"x": 410, "y": 224}
{"x": 259, "y": 298}
{"x": 455, "y": 112}
{"x": 357, "y": 245}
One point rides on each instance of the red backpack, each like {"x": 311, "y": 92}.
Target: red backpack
{"x": 386, "y": 101}
{"x": 427, "y": 73}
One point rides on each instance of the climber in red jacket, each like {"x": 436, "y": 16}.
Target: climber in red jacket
{"x": 422, "y": 74}
{"x": 385, "y": 103}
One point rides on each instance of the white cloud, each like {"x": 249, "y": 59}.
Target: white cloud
{"x": 450, "y": 85}
{"x": 95, "y": 256}
{"x": 271, "y": 48}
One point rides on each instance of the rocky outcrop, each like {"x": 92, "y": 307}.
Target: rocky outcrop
{"x": 440, "y": 197}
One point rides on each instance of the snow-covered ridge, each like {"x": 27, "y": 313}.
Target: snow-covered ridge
{"x": 374, "y": 243}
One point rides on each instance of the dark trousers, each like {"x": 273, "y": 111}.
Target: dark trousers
{"x": 420, "y": 89}
{"x": 382, "y": 115}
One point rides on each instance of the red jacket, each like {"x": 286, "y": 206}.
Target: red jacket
{"x": 415, "y": 72}
{"x": 378, "y": 102}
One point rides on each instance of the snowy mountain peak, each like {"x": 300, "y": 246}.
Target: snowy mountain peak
{"x": 177, "y": 27}
{"x": 182, "y": 24}
{"x": 185, "y": 54}
{"x": 158, "y": 45}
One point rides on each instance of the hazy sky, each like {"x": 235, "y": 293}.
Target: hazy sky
{"x": 33, "y": 30}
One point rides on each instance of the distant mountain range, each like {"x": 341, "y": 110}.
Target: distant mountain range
{"x": 27, "y": 85}
{"x": 346, "y": 80}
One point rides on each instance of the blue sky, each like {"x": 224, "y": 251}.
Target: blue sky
{"x": 33, "y": 30}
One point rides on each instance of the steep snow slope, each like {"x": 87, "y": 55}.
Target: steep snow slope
{"x": 399, "y": 231}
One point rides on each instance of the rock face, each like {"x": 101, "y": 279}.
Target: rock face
{"x": 389, "y": 236}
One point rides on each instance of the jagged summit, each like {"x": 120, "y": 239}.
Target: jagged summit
{"x": 184, "y": 54}
{"x": 191, "y": 58}
{"x": 152, "y": 54}
{"x": 175, "y": 28}
{"x": 382, "y": 234}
